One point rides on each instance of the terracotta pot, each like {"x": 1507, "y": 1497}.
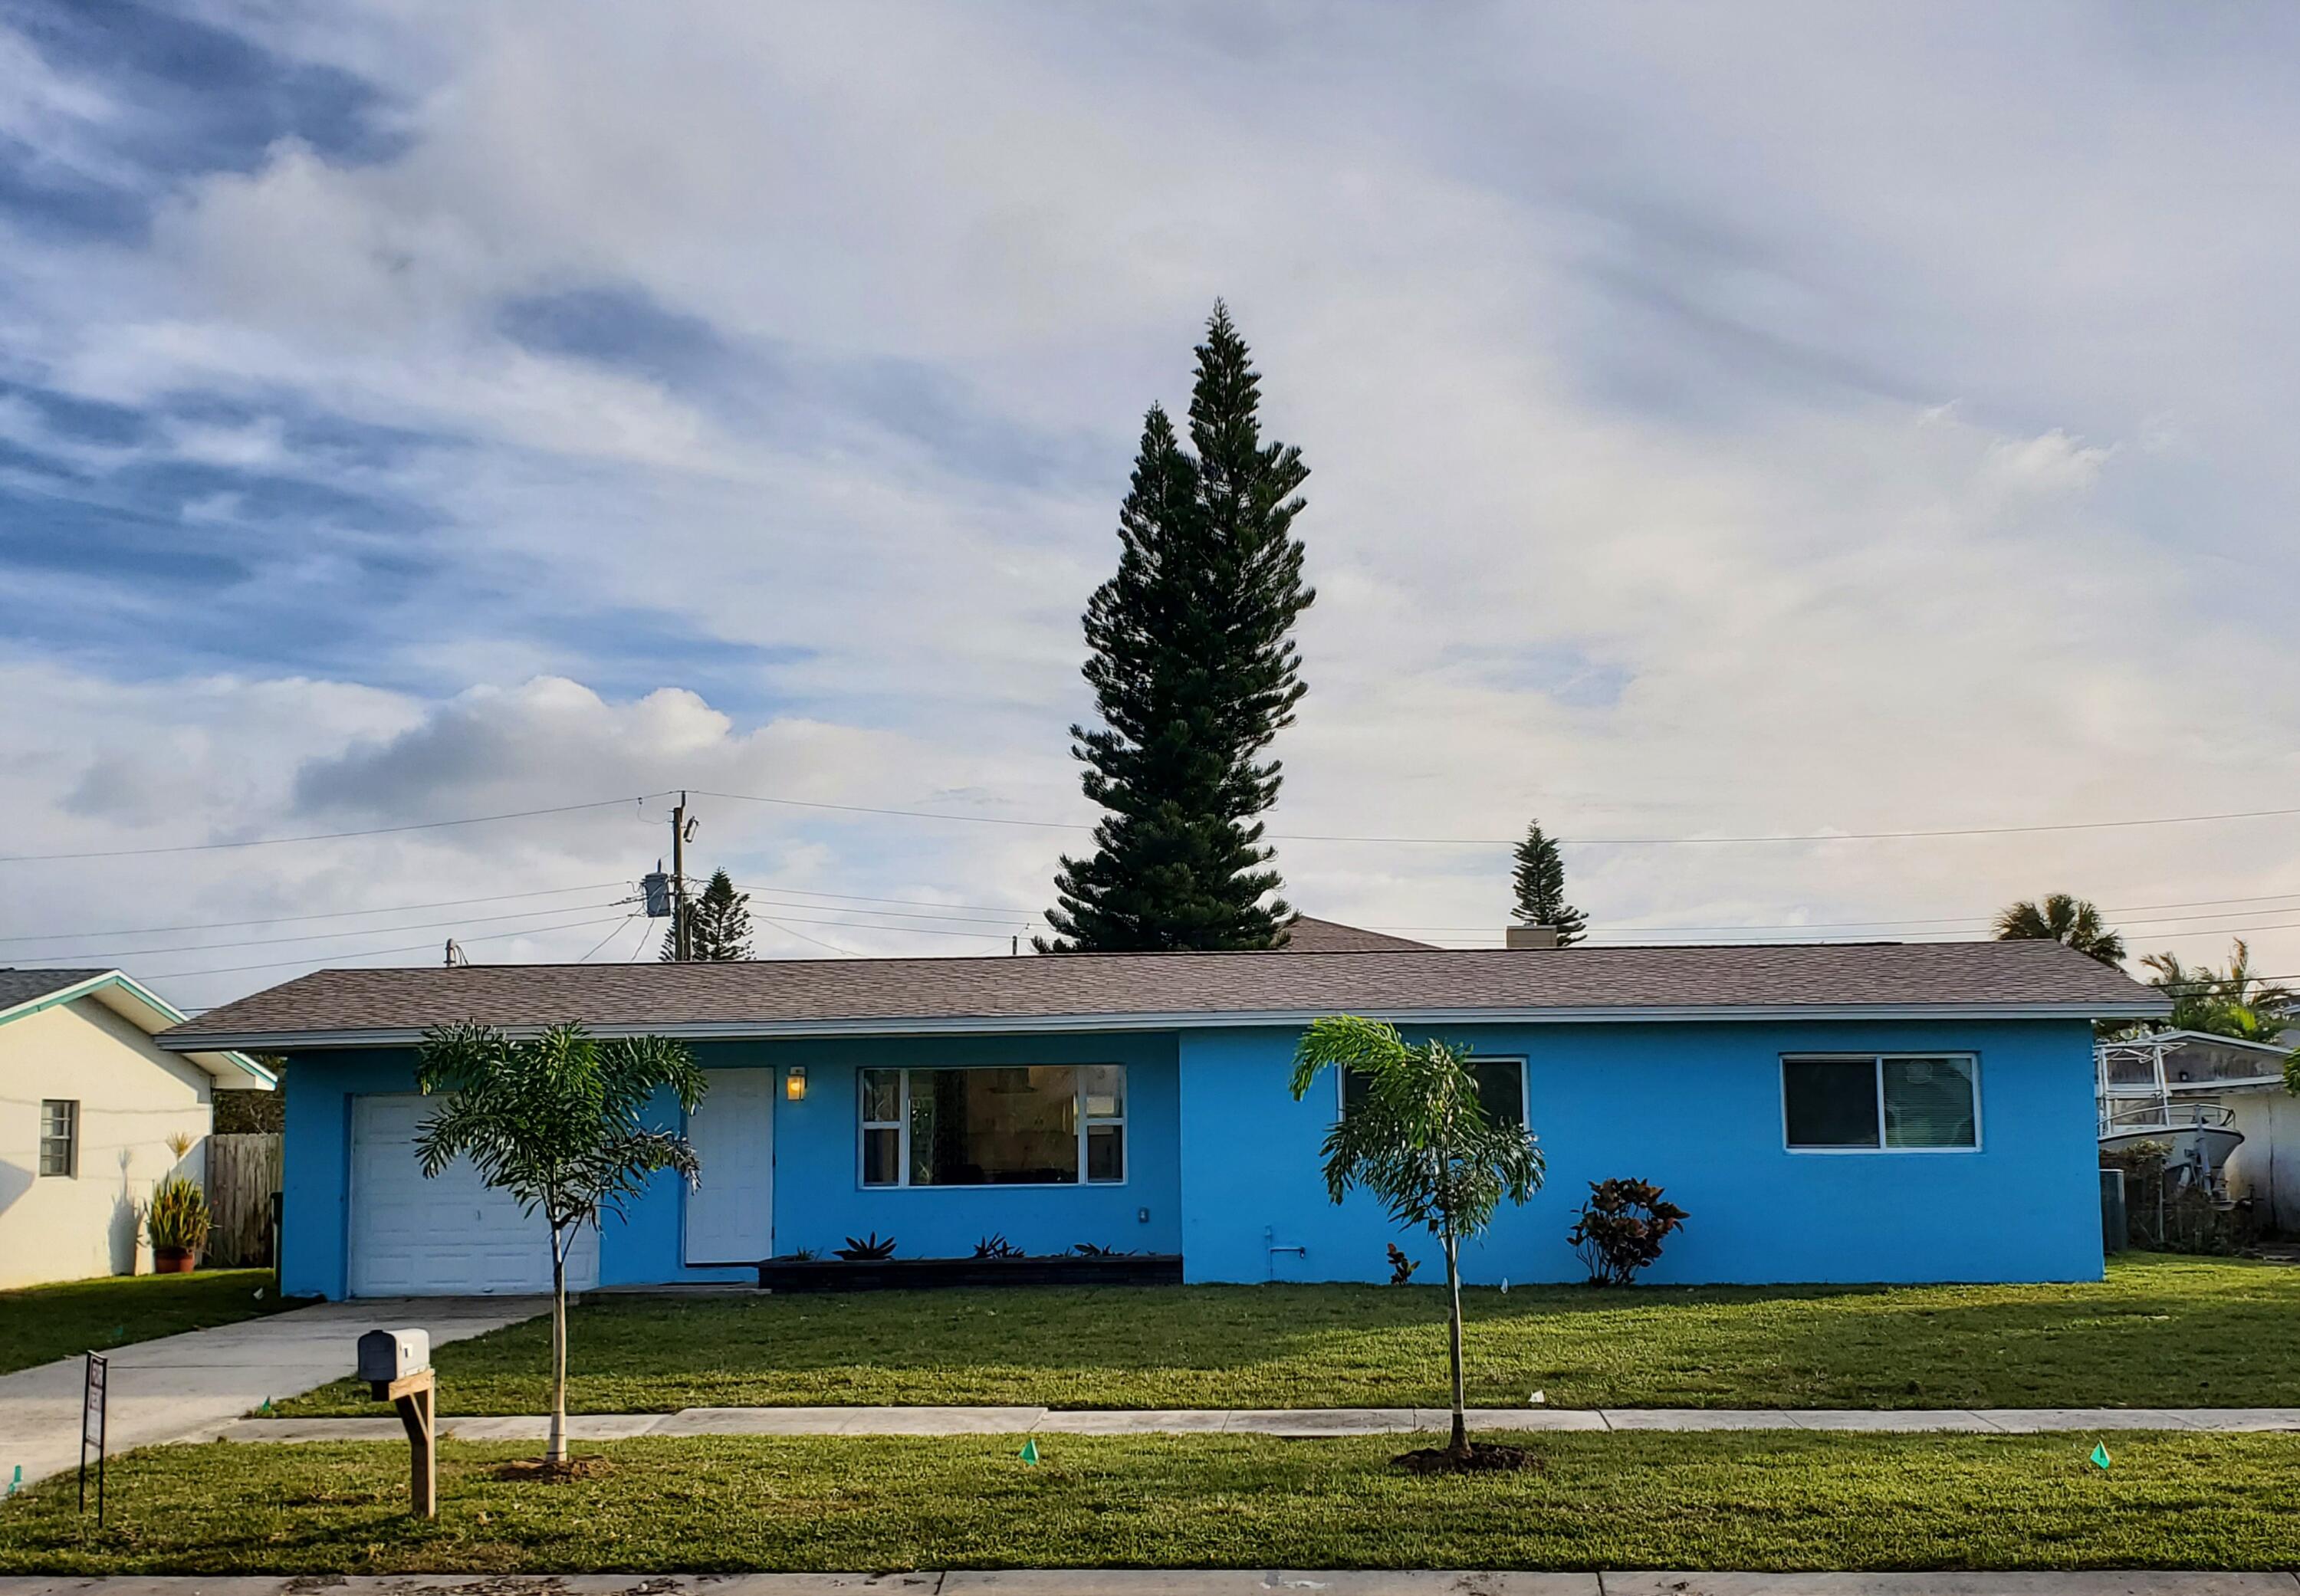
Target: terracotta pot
{"x": 172, "y": 1260}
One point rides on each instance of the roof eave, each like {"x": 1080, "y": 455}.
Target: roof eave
{"x": 1003, "y": 1025}
{"x": 151, "y": 1013}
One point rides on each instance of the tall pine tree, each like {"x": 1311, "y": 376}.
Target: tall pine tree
{"x": 1540, "y": 882}
{"x": 1193, "y": 672}
{"x": 718, "y": 925}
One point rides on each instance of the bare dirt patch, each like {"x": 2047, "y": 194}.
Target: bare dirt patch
{"x": 539, "y": 1471}
{"x": 1485, "y": 1457}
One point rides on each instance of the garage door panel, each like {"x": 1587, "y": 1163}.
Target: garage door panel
{"x": 449, "y": 1234}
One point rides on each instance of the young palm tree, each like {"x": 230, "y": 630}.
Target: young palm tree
{"x": 2073, "y": 922}
{"x": 1420, "y": 1143}
{"x": 554, "y": 1122}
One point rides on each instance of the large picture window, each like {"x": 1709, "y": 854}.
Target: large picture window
{"x": 1030, "y": 1125}
{"x": 1890, "y": 1102}
{"x": 1501, "y": 1088}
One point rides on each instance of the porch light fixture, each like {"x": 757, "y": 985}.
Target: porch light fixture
{"x": 794, "y": 1083}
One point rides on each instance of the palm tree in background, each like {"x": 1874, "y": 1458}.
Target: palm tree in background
{"x": 2235, "y": 1003}
{"x": 2070, "y": 922}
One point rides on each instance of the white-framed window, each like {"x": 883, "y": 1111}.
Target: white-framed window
{"x": 1880, "y": 1103}
{"x": 1020, "y": 1125}
{"x": 60, "y": 1136}
{"x": 1501, "y": 1088}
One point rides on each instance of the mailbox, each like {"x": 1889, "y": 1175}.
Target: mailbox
{"x": 397, "y": 1364}
{"x": 388, "y": 1355}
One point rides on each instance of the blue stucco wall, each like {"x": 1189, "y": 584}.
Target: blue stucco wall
{"x": 315, "y": 1160}
{"x": 820, "y": 1199}
{"x": 1697, "y": 1109}
{"x": 1222, "y": 1164}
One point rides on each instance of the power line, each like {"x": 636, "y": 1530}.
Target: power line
{"x": 817, "y": 941}
{"x": 1456, "y": 842}
{"x": 609, "y": 937}
{"x": 2280, "y": 902}
{"x": 1004, "y": 913}
{"x": 1016, "y": 917}
{"x": 417, "y": 947}
{"x": 1587, "y": 842}
{"x": 912, "y": 930}
{"x": 808, "y": 892}
{"x": 265, "y": 941}
{"x": 289, "y": 919}
{"x": 326, "y": 837}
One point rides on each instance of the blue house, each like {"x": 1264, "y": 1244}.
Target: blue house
{"x": 1876, "y": 1112}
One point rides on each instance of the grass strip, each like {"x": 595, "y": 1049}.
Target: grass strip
{"x": 1772, "y": 1501}
{"x": 39, "y": 1324}
{"x": 2158, "y": 1332}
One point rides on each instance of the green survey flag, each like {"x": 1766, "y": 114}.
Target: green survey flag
{"x": 2100, "y": 1456}
{"x": 1030, "y": 1449}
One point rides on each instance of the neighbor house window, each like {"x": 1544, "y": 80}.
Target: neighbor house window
{"x": 1896, "y": 1102}
{"x": 60, "y": 1136}
{"x": 1025, "y": 1125}
{"x": 1501, "y": 1088}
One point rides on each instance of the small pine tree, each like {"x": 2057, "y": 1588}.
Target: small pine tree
{"x": 1540, "y": 882}
{"x": 1194, "y": 673}
{"x": 718, "y": 926}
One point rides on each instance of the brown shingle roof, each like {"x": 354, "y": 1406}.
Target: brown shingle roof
{"x": 25, "y": 985}
{"x": 1304, "y": 934}
{"x": 1085, "y": 991}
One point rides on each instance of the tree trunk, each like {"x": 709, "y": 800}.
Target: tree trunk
{"x": 557, "y": 1452}
{"x": 1460, "y": 1444}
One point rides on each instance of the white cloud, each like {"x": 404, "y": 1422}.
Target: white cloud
{"x": 1706, "y": 438}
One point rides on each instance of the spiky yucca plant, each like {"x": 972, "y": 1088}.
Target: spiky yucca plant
{"x": 177, "y": 1216}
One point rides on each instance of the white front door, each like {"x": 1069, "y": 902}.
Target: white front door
{"x": 730, "y": 1211}
{"x": 446, "y": 1236}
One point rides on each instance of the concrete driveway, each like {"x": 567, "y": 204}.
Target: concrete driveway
{"x": 182, "y": 1384}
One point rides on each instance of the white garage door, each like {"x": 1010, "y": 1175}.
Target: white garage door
{"x": 450, "y": 1236}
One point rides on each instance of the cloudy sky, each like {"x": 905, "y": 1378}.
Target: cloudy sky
{"x": 1724, "y": 422}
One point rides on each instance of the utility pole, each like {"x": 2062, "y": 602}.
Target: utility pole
{"x": 678, "y": 949}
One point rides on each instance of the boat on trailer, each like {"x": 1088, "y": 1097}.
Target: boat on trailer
{"x": 2165, "y": 1088}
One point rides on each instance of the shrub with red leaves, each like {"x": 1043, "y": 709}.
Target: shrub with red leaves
{"x": 1621, "y": 1228}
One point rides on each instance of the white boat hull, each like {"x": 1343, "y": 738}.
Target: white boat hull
{"x": 2205, "y": 1144}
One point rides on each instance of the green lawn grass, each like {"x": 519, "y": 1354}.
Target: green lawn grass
{"x": 41, "y": 1323}
{"x": 1734, "y": 1501}
{"x": 2158, "y": 1332}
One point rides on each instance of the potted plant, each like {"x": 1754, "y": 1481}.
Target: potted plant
{"x": 176, "y": 1223}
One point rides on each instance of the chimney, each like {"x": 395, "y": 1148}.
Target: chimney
{"x": 1531, "y": 936}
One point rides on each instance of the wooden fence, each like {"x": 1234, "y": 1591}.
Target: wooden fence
{"x": 242, "y": 1173}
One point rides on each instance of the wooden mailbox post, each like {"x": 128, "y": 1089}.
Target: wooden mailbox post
{"x": 397, "y": 1364}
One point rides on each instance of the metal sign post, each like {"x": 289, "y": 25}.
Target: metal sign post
{"x": 91, "y": 1431}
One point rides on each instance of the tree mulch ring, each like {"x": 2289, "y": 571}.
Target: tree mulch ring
{"x": 1484, "y": 1456}
{"x": 542, "y": 1471}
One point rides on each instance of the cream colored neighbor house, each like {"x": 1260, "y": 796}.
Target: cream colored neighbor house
{"x": 88, "y": 1105}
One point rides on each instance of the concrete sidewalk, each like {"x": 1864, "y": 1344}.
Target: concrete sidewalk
{"x": 177, "y": 1386}
{"x": 1179, "y": 1581}
{"x": 1292, "y": 1423}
